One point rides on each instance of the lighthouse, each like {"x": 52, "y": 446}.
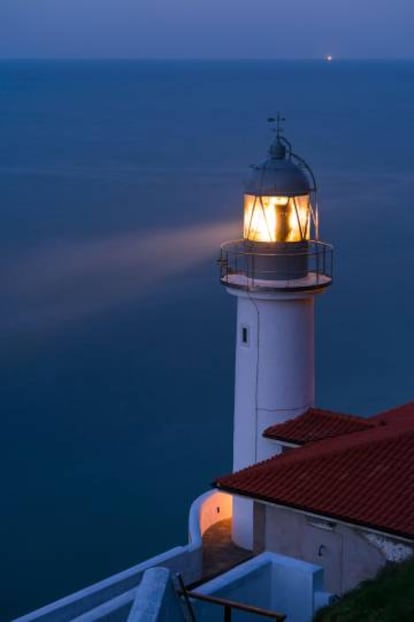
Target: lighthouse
{"x": 275, "y": 272}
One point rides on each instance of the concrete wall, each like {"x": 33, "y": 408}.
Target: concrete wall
{"x": 250, "y": 584}
{"x": 345, "y": 554}
{"x": 156, "y": 599}
{"x": 269, "y": 581}
{"x": 106, "y": 598}
{"x": 112, "y": 598}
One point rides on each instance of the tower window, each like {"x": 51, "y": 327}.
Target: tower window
{"x": 245, "y": 335}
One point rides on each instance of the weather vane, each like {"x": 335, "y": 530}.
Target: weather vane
{"x": 278, "y": 120}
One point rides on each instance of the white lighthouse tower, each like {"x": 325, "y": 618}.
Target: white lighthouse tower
{"x": 275, "y": 272}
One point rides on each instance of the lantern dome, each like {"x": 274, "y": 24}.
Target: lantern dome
{"x": 279, "y": 174}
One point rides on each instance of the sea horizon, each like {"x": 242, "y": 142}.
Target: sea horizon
{"x": 314, "y": 59}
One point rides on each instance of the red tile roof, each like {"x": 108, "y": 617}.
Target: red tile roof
{"x": 316, "y": 424}
{"x": 395, "y": 415}
{"x": 365, "y": 478}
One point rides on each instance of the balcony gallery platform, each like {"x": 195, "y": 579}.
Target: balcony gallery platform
{"x": 286, "y": 267}
{"x": 312, "y": 281}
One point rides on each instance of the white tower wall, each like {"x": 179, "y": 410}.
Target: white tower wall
{"x": 274, "y": 381}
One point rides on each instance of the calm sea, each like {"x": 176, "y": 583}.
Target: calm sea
{"x": 118, "y": 180}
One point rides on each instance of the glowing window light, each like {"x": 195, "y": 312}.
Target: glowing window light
{"x": 276, "y": 219}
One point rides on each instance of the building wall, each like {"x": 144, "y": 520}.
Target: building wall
{"x": 274, "y": 375}
{"x": 346, "y": 554}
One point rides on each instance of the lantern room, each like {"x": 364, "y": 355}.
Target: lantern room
{"x": 278, "y": 198}
{"x": 280, "y": 248}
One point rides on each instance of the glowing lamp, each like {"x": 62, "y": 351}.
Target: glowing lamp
{"x": 276, "y": 218}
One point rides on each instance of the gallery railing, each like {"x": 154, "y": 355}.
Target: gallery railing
{"x": 302, "y": 265}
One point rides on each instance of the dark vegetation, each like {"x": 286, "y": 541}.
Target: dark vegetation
{"x": 387, "y": 598}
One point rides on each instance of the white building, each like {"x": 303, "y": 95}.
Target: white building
{"x": 340, "y": 495}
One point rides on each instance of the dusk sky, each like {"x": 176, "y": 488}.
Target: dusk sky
{"x": 206, "y": 28}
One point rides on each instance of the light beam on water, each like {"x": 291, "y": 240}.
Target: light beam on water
{"x": 65, "y": 282}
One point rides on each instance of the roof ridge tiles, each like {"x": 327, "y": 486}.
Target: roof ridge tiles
{"x": 315, "y": 424}
{"x": 333, "y": 444}
{"x": 397, "y": 412}
{"x": 324, "y": 448}
{"x": 335, "y": 413}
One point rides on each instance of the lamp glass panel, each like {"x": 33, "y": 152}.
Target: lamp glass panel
{"x": 276, "y": 218}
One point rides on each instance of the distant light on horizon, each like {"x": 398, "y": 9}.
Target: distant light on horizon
{"x": 329, "y": 58}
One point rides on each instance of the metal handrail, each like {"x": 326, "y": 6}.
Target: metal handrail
{"x": 275, "y": 268}
{"x": 229, "y": 605}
